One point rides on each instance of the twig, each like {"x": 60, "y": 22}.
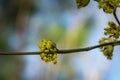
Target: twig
{"x": 115, "y": 15}
{"x": 63, "y": 51}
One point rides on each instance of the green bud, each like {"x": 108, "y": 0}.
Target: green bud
{"x": 81, "y": 3}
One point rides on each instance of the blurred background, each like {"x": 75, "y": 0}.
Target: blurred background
{"x": 23, "y": 23}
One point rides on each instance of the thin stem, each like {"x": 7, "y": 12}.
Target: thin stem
{"x": 63, "y": 51}
{"x": 115, "y": 15}
{"x": 20, "y": 53}
{"x": 88, "y": 48}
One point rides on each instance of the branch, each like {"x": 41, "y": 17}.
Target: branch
{"x": 63, "y": 51}
{"x": 114, "y": 14}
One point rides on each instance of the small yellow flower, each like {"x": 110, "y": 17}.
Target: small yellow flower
{"x": 108, "y": 6}
{"x": 102, "y": 41}
{"x": 48, "y": 51}
{"x": 112, "y": 30}
{"x": 81, "y": 3}
{"x": 107, "y": 50}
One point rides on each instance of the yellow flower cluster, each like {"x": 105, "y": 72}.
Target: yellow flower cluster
{"x": 81, "y": 3}
{"x": 112, "y": 30}
{"x": 107, "y": 50}
{"x": 108, "y": 6}
{"x": 48, "y": 51}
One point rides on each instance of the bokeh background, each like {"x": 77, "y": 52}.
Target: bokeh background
{"x": 23, "y": 23}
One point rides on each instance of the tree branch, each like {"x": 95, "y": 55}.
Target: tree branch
{"x": 63, "y": 51}
{"x": 115, "y": 15}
